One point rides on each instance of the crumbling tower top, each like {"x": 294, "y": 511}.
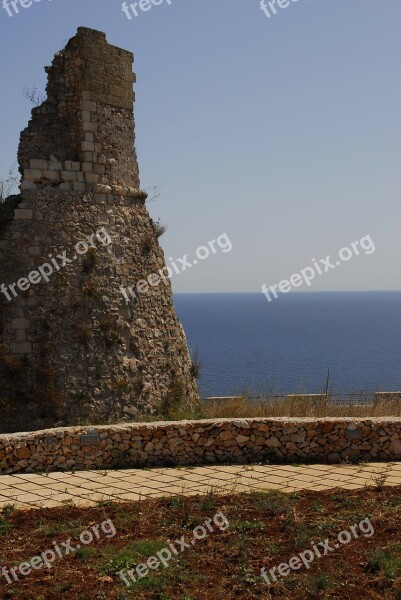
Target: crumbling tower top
{"x": 82, "y": 137}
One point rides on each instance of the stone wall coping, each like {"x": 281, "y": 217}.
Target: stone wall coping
{"x": 85, "y": 429}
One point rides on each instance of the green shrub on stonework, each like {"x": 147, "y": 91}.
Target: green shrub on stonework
{"x": 174, "y": 401}
{"x": 196, "y": 365}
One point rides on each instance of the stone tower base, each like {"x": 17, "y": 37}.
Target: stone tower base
{"x": 73, "y": 349}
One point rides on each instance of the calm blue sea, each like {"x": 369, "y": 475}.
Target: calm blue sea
{"x": 248, "y": 344}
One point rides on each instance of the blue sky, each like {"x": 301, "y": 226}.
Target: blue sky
{"x": 284, "y": 133}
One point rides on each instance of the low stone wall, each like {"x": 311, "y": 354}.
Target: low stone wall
{"x": 202, "y": 442}
{"x": 387, "y": 397}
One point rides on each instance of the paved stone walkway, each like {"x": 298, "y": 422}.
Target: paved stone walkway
{"x": 87, "y": 488}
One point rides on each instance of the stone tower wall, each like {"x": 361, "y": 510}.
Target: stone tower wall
{"x": 72, "y": 349}
{"x": 82, "y": 137}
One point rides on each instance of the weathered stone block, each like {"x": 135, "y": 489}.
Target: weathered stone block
{"x": 27, "y": 185}
{"x": 119, "y": 190}
{"x": 21, "y": 335}
{"x": 32, "y": 174}
{"x": 38, "y": 164}
{"x": 79, "y": 186}
{"x": 20, "y": 323}
{"x": 21, "y": 348}
{"x": 91, "y": 177}
{"x": 87, "y": 146}
{"x": 23, "y": 213}
{"x": 55, "y": 166}
{"x": 22, "y": 452}
{"x": 103, "y": 189}
{"x": 88, "y": 105}
{"x": 273, "y": 442}
{"x": 99, "y": 168}
{"x": 69, "y": 175}
{"x": 88, "y": 126}
{"x": 51, "y": 175}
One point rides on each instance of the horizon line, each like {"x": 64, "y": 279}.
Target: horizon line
{"x": 297, "y": 292}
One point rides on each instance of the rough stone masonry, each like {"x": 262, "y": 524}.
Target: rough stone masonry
{"x": 72, "y": 351}
{"x": 238, "y": 441}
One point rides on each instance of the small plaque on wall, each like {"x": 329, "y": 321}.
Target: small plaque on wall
{"x": 90, "y": 439}
{"x": 353, "y": 434}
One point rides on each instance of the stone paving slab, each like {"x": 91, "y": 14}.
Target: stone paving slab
{"x": 87, "y": 488}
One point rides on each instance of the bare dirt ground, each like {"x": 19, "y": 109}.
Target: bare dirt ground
{"x": 265, "y": 529}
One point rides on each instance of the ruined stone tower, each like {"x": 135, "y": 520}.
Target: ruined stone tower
{"x": 72, "y": 348}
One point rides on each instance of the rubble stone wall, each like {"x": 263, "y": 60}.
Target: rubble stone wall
{"x": 202, "y": 442}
